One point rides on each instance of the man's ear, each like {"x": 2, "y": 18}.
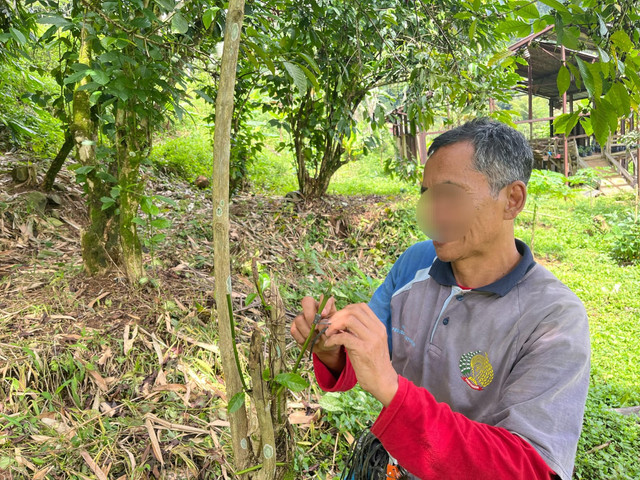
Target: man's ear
{"x": 516, "y": 194}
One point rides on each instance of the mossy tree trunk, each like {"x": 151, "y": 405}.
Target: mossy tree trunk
{"x": 132, "y": 144}
{"x": 99, "y": 241}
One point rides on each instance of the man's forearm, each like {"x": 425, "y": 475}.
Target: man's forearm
{"x": 435, "y": 442}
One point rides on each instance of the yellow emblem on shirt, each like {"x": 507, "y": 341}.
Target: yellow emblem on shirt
{"x": 476, "y": 369}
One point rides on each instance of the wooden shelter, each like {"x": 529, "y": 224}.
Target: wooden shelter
{"x": 618, "y": 164}
{"x": 577, "y": 150}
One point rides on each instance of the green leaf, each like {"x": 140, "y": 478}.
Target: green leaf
{"x": 596, "y": 75}
{"x": 160, "y": 223}
{"x": 576, "y": 74}
{"x": 603, "y": 26}
{"x": 236, "y": 402}
{"x": 179, "y": 23}
{"x": 331, "y": 403}
{"x": 587, "y": 77}
{"x": 539, "y": 25}
{"x": 529, "y": 11}
{"x": 85, "y": 169}
{"x": 298, "y": 76}
{"x": 204, "y": 96}
{"x": 563, "y": 80}
{"x": 618, "y": 96}
{"x": 250, "y": 298}
{"x": 107, "y": 202}
{"x": 18, "y": 35}
{"x": 167, "y": 200}
{"x": 264, "y": 281}
{"x": 209, "y": 15}
{"x": 604, "y": 56}
{"x": 600, "y": 124}
{"x": 565, "y": 122}
{"x": 586, "y": 124}
{"x": 499, "y": 57}
{"x": 570, "y": 38}
{"x": 76, "y": 77}
{"x": 472, "y": 29}
{"x": 632, "y": 75}
{"x": 106, "y": 42}
{"x": 107, "y": 177}
{"x": 621, "y": 40}
{"x": 557, "y": 6}
{"x": 266, "y": 374}
{"x": 311, "y": 76}
{"x": 166, "y": 4}
{"x": 158, "y": 237}
{"x": 310, "y": 60}
{"x": 48, "y": 19}
{"x": 100, "y": 77}
{"x": 293, "y": 381}
{"x": 147, "y": 206}
{"x": 19, "y": 127}
{"x": 518, "y": 28}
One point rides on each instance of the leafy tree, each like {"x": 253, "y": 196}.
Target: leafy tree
{"x": 319, "y": 60}
{"x": 129, "y": 69}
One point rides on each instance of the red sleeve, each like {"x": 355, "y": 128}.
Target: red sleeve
{"x": 328, "y": 382}
{"x": 431, "y": 441}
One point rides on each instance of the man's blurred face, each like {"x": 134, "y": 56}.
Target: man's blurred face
{"x": 457, "y": 208}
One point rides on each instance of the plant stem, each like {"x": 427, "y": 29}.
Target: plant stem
{"x": 233, "y": 342}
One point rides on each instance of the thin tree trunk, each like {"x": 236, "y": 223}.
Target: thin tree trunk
{"x": 129, "y": 148}
{"x": 221, "y": 149}
{"x": 56, "y": 164}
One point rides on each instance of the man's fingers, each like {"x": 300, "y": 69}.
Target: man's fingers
{"x": 309, "y": 309}
{"x": 346, "y": 339}
{"x": 302, "y": 328}
{"x": 357, "y": 318}
{"x": 347, "y": 321}
{"x": 296, "y": 334}
{"x": 329, "y": 308}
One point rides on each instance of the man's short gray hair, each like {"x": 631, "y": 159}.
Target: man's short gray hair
{"x": 501, "y": 153}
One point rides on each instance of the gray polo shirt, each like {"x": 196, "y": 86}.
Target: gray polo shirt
{"x": 514, "y": 354}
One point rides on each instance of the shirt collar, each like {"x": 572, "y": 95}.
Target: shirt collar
{"x": 442, "y": 273}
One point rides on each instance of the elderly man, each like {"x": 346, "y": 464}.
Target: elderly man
{"x": 479, "y": 356}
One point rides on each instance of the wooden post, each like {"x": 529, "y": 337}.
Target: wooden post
{"x": 530, "y": 74}
{"x": 637, "y": 166}
{"x": 551, "y": 116}
{"x": 222, "y": 269}
{"x": 564, "y": 110}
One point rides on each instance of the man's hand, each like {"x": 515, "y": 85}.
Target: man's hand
{"x": 331, "y": 356}
{"x": 364, "y": 337}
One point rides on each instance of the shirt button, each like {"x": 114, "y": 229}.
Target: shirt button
{"x": 445, "y": 321}
{"x": 460, "y": 298}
